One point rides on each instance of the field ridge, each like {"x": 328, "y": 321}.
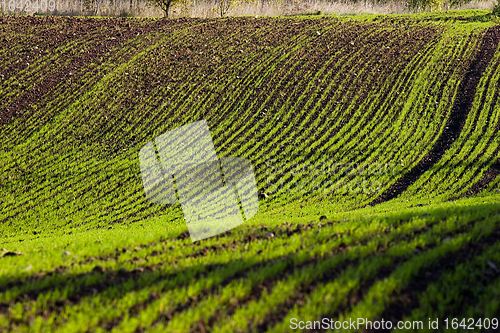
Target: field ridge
{"x": 374, "y": 141}
{"x": 456, "y": 121}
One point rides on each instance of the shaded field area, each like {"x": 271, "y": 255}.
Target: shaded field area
{"x": 375, "y": 146}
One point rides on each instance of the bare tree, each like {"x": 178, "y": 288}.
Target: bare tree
{"x": 166, "y": 5}
{"x": 92, "y": 5}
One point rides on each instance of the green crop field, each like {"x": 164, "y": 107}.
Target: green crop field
{"x": 375, "y": 142}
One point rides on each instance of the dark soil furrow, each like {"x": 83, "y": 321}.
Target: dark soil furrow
{"x": 476, "y": 187}
{"x": 457, "y": 117}
{"x": 323, "y": 132}
{"x": 50, "y": 81}
{"x": 382, "y": 104}
{"x": 494, "y": 170}
{"x": 488, "y": 176}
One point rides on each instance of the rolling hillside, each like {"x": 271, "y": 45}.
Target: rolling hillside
{"x": 374, "y": 141}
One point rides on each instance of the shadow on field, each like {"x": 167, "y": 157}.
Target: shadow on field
{"x": 154, "y": 282}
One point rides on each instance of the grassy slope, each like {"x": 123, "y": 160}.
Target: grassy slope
{"x": 293, "y": 95}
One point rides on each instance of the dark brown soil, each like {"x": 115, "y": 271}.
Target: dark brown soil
{"x": 456, "y": 120}
{"x": 65, "y": 30}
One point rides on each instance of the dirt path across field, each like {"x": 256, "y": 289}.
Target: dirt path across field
{"x": 456, "y": 120}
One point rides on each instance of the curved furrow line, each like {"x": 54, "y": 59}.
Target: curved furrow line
{"x": 289, "y": 104}
{"x": 468, "y": 130}
{"x": 381, "y": 294}
{"x": 289, "y": 64}
{"x": 473, "y": 173}
{"x": 35, "y": 73}
{"x": 408, "y": 138}
{"x": 50, "y": 81}
{"x": 473, "y": 179}
{"x": 77, "y": 118}
{"x": 179, "y": 95}
{"x": 183, "y": 114}
{"x": 40, "y": 154}
{"x": 376, "y": 129}
{"x": 338, "y": 138}
{"x": 267, "y": 63}
{"x": 326, "y": 146}
{"x": 320, "y": 125}
{"x": 64, "y": 92}
{"x": 457, "y": 117}
{"x": 358, "y": 123}
{"x": 32, "y": 36}
{"x": 254, "y": 121}
{"x": 324, "y": 140}
{"x": 59, "y": 188}
{"x": 318, "y": 76}
{"x": 277, "y": 137}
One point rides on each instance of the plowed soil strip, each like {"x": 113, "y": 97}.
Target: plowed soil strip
{"x": 7, "y": 115}
{"x": 488, "y": 176}
{"x": 457, "y": 118}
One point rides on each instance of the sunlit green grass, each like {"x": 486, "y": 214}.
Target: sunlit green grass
{"x": 85, "y": 250}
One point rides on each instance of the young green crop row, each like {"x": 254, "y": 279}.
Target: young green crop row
{"x": 305, "y": 139}
{"x": 249, "y": 281}
{"x": 96, "y": 255}
{"x": 359, "y": 117}
{"x": 78, "y": 163}
{"x": 475, "y": 150}
{"x": 70, "y": 162}
{"x": 396, "y": 131}
{"x": 474, "y": 277}
{"x": 64, "y": 191}
{"x": 424, "y": 113}
{"x": 45, "y": 60}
